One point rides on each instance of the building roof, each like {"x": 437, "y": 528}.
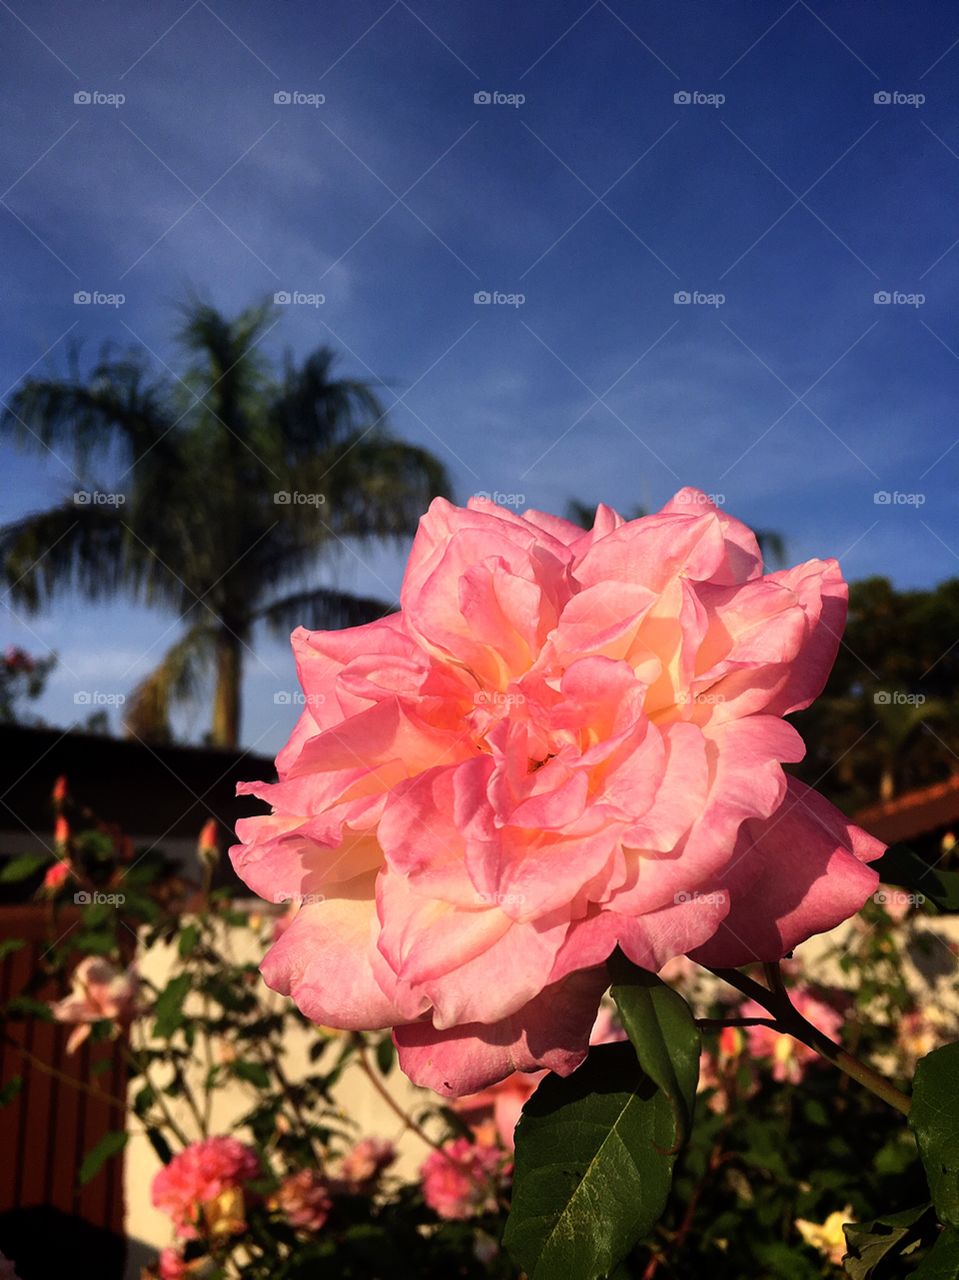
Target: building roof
{"x": 914, "y": 813}
{"x": 149, "y": 790}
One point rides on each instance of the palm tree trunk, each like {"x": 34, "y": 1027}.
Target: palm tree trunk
{"x": 226, "y": 702}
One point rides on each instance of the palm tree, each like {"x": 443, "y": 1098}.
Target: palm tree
{"x": 235, "y": 482}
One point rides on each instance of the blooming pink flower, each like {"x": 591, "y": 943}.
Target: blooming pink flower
{"x": 366, "y": 1161}
{"x": 462, "y": 1179}
{"x": 201, "y": 1175}
{"x": 791, "y": 1057}
{"x": 564, "y": 742}
{"x": 99, "y": 990}
{"x": 304, "y": 1199}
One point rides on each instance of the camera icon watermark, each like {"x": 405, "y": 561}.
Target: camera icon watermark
{"x": 97, "y": 498}
{"x": 94, "y": 898}
{"x": 494, "y": 98}
{"x": 894, "y": 98}
{"x": 501, "y": 499}
{"x": 898, "y": 898}
{"x": 96, "y": 698}
{"x": 298, "y": 899}
{"x": 297, "y": 698}
{"x": 298, "y": 298}
{"x": 97, "y": 298}
{"x": 893, "y": 498}
{"x": 897, "y": 698}
{"x": 717, "y": 898}
{"x": 696, "y": 298}
{"x": 94, "y": 98}
{"x": 896, "y": 298}
{"x": 496, "y": 298}
{"x": 695, "y": 98}
{"x": 295, "y": 98}
{"x": 294, "y": 498}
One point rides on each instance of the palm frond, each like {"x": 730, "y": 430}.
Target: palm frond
{"x": 322, "y": 608}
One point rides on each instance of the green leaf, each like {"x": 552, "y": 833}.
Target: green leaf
{"x": 169, "y": 1006}
{"x": 9, "y": 945}
{"x": 385, "y": 1055}
{"x": 110, "y": 1144}
{"x": 10, "y": 1090}
{"x": 900, "y": 865}
{"x": 593, "y": 1168}
{"x": 942, "y": 1260}
{"x": 253, "y": 1072}
{"x": 661, "y": 1028}
{"x": 22, "y": 868}
{"x": 160, "y": 1145}
{"x": 868, "y": 1243}
{"x": 188, "y": 939}
{"x": 934, "y": 1119}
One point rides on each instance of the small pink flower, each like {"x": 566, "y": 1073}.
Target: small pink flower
{"x": 791, "y": 1057}
{"x": 367, "y": 1160}
{"x": 59, "y": 793}
{"x": 201, "y": 1175}
{"x": 304, "y": 1199}
{"x": 99, "y": 990}
{"x": 171, "y": 1265}
{"x": 61, "y": 832}
{"x": 462, "y": 1180}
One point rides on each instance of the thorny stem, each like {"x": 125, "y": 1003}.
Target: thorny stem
{"x": 790, "y": 1021}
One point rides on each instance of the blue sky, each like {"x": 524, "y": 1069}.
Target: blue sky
{"x": 782, "y": 186}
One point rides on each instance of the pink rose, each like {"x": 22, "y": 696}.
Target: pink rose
{"x": 304, "y": 1199}
{"x": 791, "y": 1057}
{"x": 366, "y": 1162}
{"x": 205, "y": 1176}
{"x": 99, "y": 990}
{"x": 565, "y": 742}
{"x": 57, "y": 875}
{"x": 463, "y": 1179}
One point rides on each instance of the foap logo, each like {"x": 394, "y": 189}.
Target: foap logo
{"x": 296, "y": 298}
{"x": 897, "y": 698}
{"x": 297, "y": 698}
{"x": 893, "y": 98}
{"x": 893, "y": 498}
{"x": 494, "y": 98}
{"x": 895, "y": 298}
{"x": 83, "y": 898}
{"x": 897, "y": 898}
{"x": 294, "y": 498}
{"x": 94, "y": 98}
{"x": 694, "y": 98}
{"x": 502, "y": 499}
{"x": 298, "y": 899}
{"x": 695, "y": 498}
{"x": 294, "y": 98}
{"x": 95, "y": 498}
{"x": 96, "y": 298}
{"x": 495, "y": 298}
{"x": 94, "y": 698}
{"x": 715, "y": 899}
{"x": 696, "y": 298}
{"x": 498, "y": 698}
{"x": 502, "y": 899}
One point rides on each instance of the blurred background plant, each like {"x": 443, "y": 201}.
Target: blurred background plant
{"x": 291, "y": 1187}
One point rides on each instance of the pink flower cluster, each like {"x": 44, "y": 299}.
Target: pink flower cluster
{"x": 464, "y": 1179}
{"x": 565, "y": 742}
{"x": 198, "y": 1176}
{"x": 304, "y": 1199}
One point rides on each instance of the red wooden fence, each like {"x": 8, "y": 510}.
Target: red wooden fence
{"x": 49, "y": 1224}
